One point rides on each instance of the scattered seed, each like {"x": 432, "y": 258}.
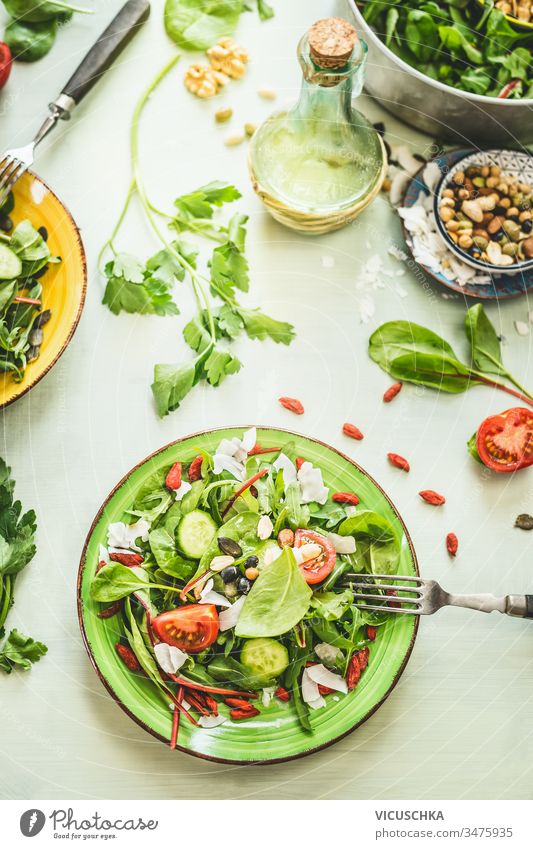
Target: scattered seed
{"x": 266, "y": 93}
{"x": 392, "y": 392}
{"x": 229, "y": 546}
{"x": 524, "y": 521}
{"x": 250, "y": 129}
{"x": 432, "y": 497}
{"x": 521, "y": 328}
{"x": 292, "y": 404}
{"x": 452, "y": 544}
{"x": 399, "y": 461}
{"x": 220, "y": 562}
{"x": 42, "y": 318}
{"x": 223, "y": 115}
{"x": 234, "y": 139}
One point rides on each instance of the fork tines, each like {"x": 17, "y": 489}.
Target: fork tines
{"x": 10, "y": 170}
{"x": 410, "y": 596}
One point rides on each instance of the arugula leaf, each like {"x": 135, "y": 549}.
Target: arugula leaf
{"x": 21, "y": 651}
{"x": 278, "y": 600}
{"x": 265, "y": 10}
{"x": 142, "y": 288}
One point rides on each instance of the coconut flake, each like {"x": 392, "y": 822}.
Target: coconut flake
{"x": 272, "y": 553}
{"x": 183, "y": 489}
{"x": 320, "y": 675}
{"x": 103, "y": 554}
{"x": 120, "y": 535}
{"x": 431, "y": 175}
{"x": 287, "y": 467}
{"x": 328, "y": 262}
{"x": 209, "y": 596}
{"x": 397, "y": 253}
{"x": 264, "y": 527}
{"x": 311, "y": 484}
{"x": 327, "y": 653}
{"x": 267, "y": 696}
{"x": 169, "y": 658}
{"x": 521, "y": 328}
{"x": 310, "y": 692}
{"x": 406, "y": 160}
{"x": 342, "y": 545}
{"x": 227, "y": 463}
{"x": 228, "y": 618}
{"x": 211, "y": 721}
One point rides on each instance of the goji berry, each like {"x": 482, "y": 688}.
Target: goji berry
{"x": 391, "y": 593}
{"x": 351, "y": 430}
{"x": 345, "y": 498}
{"x": 363, "y": 655}
{"x": 432, "y": 497}
{"x": 212, "y": 704}
{"x": 452, "y": 544}
{"x": 101, "y": 564}
{"x": 322, "y": 689}
{"x": 399, "y": 461}
{"x": 240, "y": 713}
{"x": 299, "y": 462}
{"x": 173, "y": 478}
{"x": 354, "y": 672}
{"x": 282, "y": 694}
{"x": 371, "y": 632}
{"x": 110, "y": 611}
{"x": 126, "y": 558}
{"x": 195, "y": 469}
{"x": 237, "y": 703}
{"x": 392, "y": 392}
{"x": 128, "y": 657}
{"x": 292, "y": 404}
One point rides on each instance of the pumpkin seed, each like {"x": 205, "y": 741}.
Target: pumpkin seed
{"x": 524, "y": 521}
{"x": 229, "y": 546}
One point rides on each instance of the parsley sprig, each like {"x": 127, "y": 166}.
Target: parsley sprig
{"x": 137, "y": 286}
{"x": 17, "y": 549}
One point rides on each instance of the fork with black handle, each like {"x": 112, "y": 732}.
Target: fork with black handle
{"x": 418, "y": 597}
{"x": 100, "y": 57}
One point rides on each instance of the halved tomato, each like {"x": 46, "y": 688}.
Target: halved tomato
{"x": 318, "y": 568}
{"x": 505, "y": 442}
{"x": 192, "y": 628}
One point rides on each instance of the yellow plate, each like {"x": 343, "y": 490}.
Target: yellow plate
{"x": 64, "y": 284}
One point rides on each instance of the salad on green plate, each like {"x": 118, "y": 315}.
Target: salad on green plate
{"x": 215, "y": 598}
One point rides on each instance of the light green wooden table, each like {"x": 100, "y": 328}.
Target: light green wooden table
{"x": 459, "y": 725}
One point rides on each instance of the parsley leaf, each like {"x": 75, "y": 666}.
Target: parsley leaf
{"x": 258, "y": 325}
{"x": 142, "y": 288}
{"x": 17, "y": 548}
{"x": 171, "y": 384}
{"x": 200, "y": 203}
{"x": 20, "y": 650}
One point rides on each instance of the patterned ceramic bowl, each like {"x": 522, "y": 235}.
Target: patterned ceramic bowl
{"x": 515, "y": 163}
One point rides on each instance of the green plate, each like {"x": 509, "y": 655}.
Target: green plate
{"x": 275, "y": 735}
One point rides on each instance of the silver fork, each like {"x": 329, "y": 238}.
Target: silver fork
{"x": 100, "y": 57}
{"x": 419, "y": 597}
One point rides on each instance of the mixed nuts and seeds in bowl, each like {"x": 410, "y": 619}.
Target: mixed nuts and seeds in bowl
{"x": 484, "y": 211}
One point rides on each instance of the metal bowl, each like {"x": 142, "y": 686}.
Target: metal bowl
{"x": 438, "y": 109}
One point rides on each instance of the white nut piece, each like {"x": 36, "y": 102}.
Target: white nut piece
{"x": 221, "y": 562}
{"x": 265, "y": 527}
{"x": 310, "y": 550}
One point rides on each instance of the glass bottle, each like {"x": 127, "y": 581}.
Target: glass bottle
{"x": 319, "y": 164}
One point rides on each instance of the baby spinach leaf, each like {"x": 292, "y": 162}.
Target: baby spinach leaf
{"x": 435, "y": 370}
{"x": 241, "y": 529}
{"x": 484, "y": 342}
{"x": 30, "y": 42}
{"x": 278, "y": 600}
{"x": 397, "y": 338}
{"x": 40, "y": 10}
{"x": 265, "y": 10}
{"x": 376, "y": 534}
{"x": 116, "y": 581}
{"x": 20, "y": 651}
{"x": 166, "y": 556}
{"x": 296, "y": 514}
{"x": 198, "y": 24}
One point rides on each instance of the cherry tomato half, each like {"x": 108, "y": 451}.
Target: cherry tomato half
{"x": 5, "y": 63}
{"x": 192, "y": 628}
{"x": 505, "y": 442}
{"x": 318, "y": 569}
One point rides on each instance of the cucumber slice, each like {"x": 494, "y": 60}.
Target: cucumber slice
{"x": 195, "y": 533}
{"x": 265, "y": 658}
{"x": 10, "y": 264}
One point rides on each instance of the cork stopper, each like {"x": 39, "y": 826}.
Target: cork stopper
{"x": 331, "y": 42}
